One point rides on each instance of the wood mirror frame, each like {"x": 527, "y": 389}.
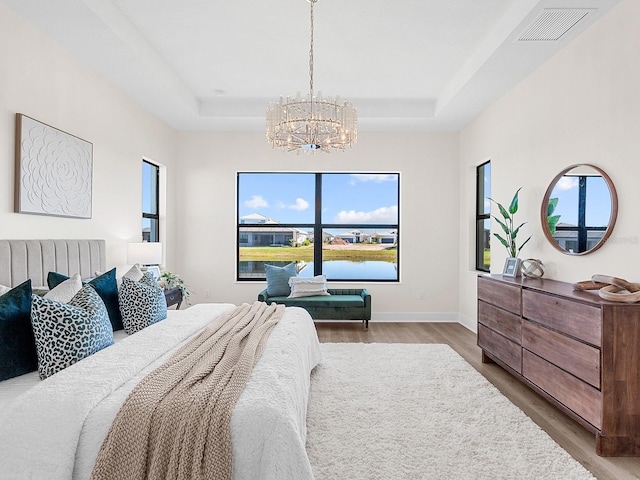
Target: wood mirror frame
{"x": 612, "y": 217}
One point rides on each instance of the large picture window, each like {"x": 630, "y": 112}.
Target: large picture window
{"x": 150, "y": 202}
{"x": 343, "y": 225}
{"x": 483, "y": 217}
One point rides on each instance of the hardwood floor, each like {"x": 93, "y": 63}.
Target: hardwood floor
{"x": 567, "y": 433}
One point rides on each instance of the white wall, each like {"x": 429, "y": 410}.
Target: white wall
{"x": 429, "y": 214}
{"x": 582, "y": 106}
{"x": 40, "y": 79}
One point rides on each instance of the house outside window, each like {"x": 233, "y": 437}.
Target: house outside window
{"x": 150, "y": 202}
{"x": 483, "y": 217}
{"x": 342, "y": 225}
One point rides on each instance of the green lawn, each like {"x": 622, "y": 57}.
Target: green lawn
{"x": 306, "y": 253}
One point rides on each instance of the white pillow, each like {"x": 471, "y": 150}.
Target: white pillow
{"x": 4, "y": 290}
{"x": 134, "y": 273}
{"x": 65, "y": 291}
{"x": 308, "y": 287}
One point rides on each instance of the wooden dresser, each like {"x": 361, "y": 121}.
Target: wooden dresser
{"x": 580, "y": 352}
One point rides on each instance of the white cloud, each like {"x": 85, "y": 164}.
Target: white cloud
{"x": 256, "y": 202}
{"x": 374, "y": 177}
{"x": 380, "y": 215}
{"x": 300, "y": 205}
{"x": 567, "y": 183}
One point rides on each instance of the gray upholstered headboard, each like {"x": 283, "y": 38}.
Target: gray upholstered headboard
{"x": 34, "y": 259}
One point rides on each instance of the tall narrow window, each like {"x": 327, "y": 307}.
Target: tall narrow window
{"x": 483, "y": 217}
{"x": 150, "y": 202}
{"x": 343, "y": 225}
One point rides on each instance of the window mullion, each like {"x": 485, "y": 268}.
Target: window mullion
{"x": 317, "y": 229}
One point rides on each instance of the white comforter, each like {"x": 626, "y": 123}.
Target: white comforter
{"x": 55, "y": 430}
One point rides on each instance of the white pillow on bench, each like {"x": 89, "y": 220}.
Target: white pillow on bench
{"x": 308, "y": 287}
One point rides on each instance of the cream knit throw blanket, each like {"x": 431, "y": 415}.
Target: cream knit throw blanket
{"x": 176, "y": 423}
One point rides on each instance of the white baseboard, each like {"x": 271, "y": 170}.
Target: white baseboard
{"x": 415, "y": 317}
{"x": 418, "y": 317}
{"x": 468, "y": 322}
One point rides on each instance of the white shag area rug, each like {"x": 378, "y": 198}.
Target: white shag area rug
{"x": 420, "y": 411}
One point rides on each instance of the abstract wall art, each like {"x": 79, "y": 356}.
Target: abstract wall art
{"x": 53, "y": 171}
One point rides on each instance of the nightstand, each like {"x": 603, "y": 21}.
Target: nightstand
{"x": 173, "y": 297}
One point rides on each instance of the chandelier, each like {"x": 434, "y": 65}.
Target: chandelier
{"x": 311, "y": 123}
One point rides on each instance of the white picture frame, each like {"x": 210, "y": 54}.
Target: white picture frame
{"x": 511, "y": 267}
{"x": 54, "y": 171}
{"x": 155, "y": 270}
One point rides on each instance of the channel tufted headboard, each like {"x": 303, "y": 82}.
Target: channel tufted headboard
{"x": 34, "y": 259}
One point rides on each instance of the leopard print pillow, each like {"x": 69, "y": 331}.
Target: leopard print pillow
{"x": 68, "y": 332}
{"x": 141, "y": 303}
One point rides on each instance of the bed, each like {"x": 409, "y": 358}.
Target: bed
{"x": 54, "y": 428}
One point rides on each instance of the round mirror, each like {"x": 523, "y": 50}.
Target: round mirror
{"x": 579, "y": 209}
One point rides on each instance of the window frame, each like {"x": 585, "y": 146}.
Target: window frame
{"x": 582, "y": 229}
{"x": 481, "y": 218}
{"x": 318, "y": 226}
{"x": 149, "y": 215}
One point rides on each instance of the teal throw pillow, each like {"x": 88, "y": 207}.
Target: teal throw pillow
{"x": 66, "y": 333}
{"x": 54, "y": 279}
{"x": 106, "y": 286}
{"x": 17, "y": 344}
{"x": 278, "y": 279}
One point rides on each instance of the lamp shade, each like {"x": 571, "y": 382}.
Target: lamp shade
{"x": 144, "y": 253}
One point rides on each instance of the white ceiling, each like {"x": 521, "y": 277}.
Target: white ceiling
{"x": 216, "y": 64}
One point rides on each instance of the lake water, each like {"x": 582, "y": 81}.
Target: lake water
{"x": 333, "y": 269}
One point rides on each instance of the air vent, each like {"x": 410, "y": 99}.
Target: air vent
{"x": 553, "y": 23}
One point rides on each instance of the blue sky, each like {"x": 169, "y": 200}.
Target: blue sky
{"x": 346, "y": 198}
{"x": 598, "y": 208}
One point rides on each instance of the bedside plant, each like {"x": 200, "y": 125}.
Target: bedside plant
{"x": 507, "y": 225}
{"x": 168, "y": 280}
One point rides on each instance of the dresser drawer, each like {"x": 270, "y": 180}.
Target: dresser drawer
{"x": 577, "y": 395}
{"x": 500, "y": 294}
{"x": 573, "y": 318}
{"x": 502, "y": 348}
{"x": 575, "y": 357}
{"x": 508, "y": 324}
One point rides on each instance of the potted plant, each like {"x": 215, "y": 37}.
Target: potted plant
{"x": 168, "y": 281}
{"x": 507, "y": 223}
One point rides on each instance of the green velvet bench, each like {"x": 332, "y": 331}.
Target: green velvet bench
{"x": 342, "y": 304}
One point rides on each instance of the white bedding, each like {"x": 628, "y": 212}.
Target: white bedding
{"x": 12, "y": 388}
{"x": 55, "y": 429}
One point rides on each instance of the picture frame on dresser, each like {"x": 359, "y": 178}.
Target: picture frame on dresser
{"x": 511, "y": 267}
